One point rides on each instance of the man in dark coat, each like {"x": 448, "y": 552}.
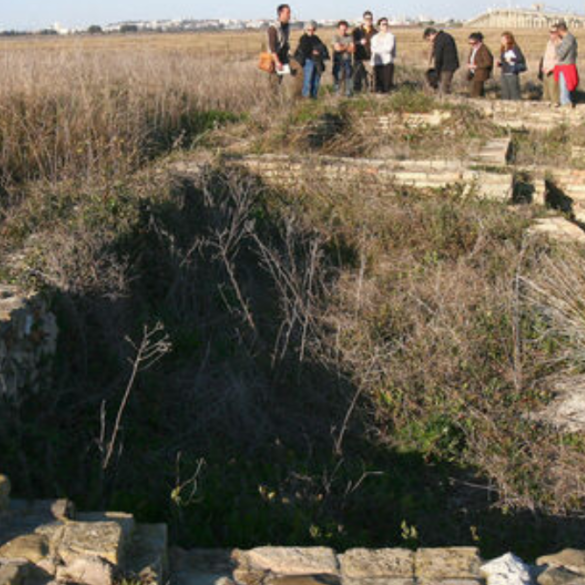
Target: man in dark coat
{"x": 444, "y": 58}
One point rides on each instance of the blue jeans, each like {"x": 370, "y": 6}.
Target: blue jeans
{"x": 566, "y": 98}
{"x": 311, "y": 79}
{"x": 343, "y": 72}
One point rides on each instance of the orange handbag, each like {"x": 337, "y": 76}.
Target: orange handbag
{"x": 266, "y": 62}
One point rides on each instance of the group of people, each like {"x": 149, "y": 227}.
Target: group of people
{"x": 364, "y": 58}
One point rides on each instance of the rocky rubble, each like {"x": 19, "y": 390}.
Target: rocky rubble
{"x": 28, "y": 335}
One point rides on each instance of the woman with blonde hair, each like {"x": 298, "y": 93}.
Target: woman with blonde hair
{"x": 512, "y": 63}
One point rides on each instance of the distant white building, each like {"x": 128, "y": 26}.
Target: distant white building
{"x": 535, "y": 17}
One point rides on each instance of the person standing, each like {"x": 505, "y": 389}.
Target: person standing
{"x": 512, "y": 63}
{"x": 362, "y": 38}
{"x": 480, "y": 65}
{"x": 279, "y": 44}
{"x": 343, "y": 50}
{"x": 566, "y": 73}
{"x": 444, "y": 57}
{"x": 549, "y": 62}
{"x": 383, "y": 57}
{"x": 311, "y": 55}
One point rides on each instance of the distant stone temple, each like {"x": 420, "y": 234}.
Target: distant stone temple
{"x": 535, "y": 17}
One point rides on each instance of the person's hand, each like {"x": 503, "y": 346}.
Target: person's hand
{"x": 279, "y": 66}
{"x": 316, "y": 52}
{"x": 364, "y": 42}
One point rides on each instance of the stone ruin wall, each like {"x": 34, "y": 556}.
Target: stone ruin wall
{"x": 28, "y": 340}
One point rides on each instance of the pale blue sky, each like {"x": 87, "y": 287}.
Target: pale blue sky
{"x": 38, "y": 13}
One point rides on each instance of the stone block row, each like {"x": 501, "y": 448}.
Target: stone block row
{"x": 294, "y": 172}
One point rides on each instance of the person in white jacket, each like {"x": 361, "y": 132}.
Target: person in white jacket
{"x": 383, "y": 57}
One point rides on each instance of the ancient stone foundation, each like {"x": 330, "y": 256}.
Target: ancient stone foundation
{"x": 46, "y": 542}
{"x": 28, "y": 338}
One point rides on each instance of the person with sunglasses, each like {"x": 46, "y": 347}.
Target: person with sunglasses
{"x": 362, "y": 38}
{"x": 383, "y": 57}
{"x": 480, "y": 65}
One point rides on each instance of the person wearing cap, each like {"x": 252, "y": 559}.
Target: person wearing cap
{"x": 383, "y": 57}
{"x": 444, "y": 58}
{"x": 311, "y": 55}
{"x": 362, "y": 38}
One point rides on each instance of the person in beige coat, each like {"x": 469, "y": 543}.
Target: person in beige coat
{"x": 549, "y": 62}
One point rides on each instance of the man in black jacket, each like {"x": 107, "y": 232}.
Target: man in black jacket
{"x": 445, "y": 58}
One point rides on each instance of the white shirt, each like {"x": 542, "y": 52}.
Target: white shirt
{"x": 383, "y": 49}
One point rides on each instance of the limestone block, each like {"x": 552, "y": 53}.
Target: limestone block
{"x": 87, "y": 570}
{"x": 560, "y": 576}
{"x": 4, "y": 492}
{"x": 103, "y": 540}
{"x": 570, "y": 558}
{"x": 13, "y": 573}
{"x": 124, "y": 520}
{"x": 363, "y": 563}
{"x": 432, "y": 564}
{"x": 296, "y": 561}
{"x": 506, "y": 570}
{"x": 30, "y": 547}
{"x": 562, "y": 230}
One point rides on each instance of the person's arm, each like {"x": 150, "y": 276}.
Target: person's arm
{"x": 273, "y": 47}
{"x": 563, "y": 49}
{"x": 438, "y": 54}
{"x": 392, "y": 46}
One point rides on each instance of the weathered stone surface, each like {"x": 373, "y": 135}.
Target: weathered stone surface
{"x": 559, "y": 229}
{"x": 303, "y": 580}
{"x": 379, "y": 581}
{"x": 507, "y": 570}
{"x": 103, "y": 540}
{"x": 87, "y": 570}
{"x": 147, "y": 557}
{"x": 570, "y": 558}
{"x": 365, "y": 563}
{"x": 124, "y": 520}
{"x": 13, "y": 573}
{"x": 560, "y": 576}
{"x": 293, "y": 561}
{"x": 4, "y": 492}
{"x": 28, "y": 334}
{"x": 31, "y": 547}
{"x": 432, "y": 564}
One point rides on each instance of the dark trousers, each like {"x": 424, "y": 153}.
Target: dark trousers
{"x": 511, "y": 87}
{"x": 361, "y": 76}
{"x": 384, "y": 76}
{"x": 476, "y": 88}
{"x": 446, "y": 82}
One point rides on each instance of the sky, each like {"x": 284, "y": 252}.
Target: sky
{"x": 32, "y": 14}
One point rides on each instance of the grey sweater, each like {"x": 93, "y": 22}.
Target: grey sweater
{"x": 567, "y": 50}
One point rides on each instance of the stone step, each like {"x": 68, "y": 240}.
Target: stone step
{"x": 147, "y": 555}
{"x": 559, "y": 229}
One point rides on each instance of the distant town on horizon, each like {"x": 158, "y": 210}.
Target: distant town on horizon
{"x": 538, "y": 16}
